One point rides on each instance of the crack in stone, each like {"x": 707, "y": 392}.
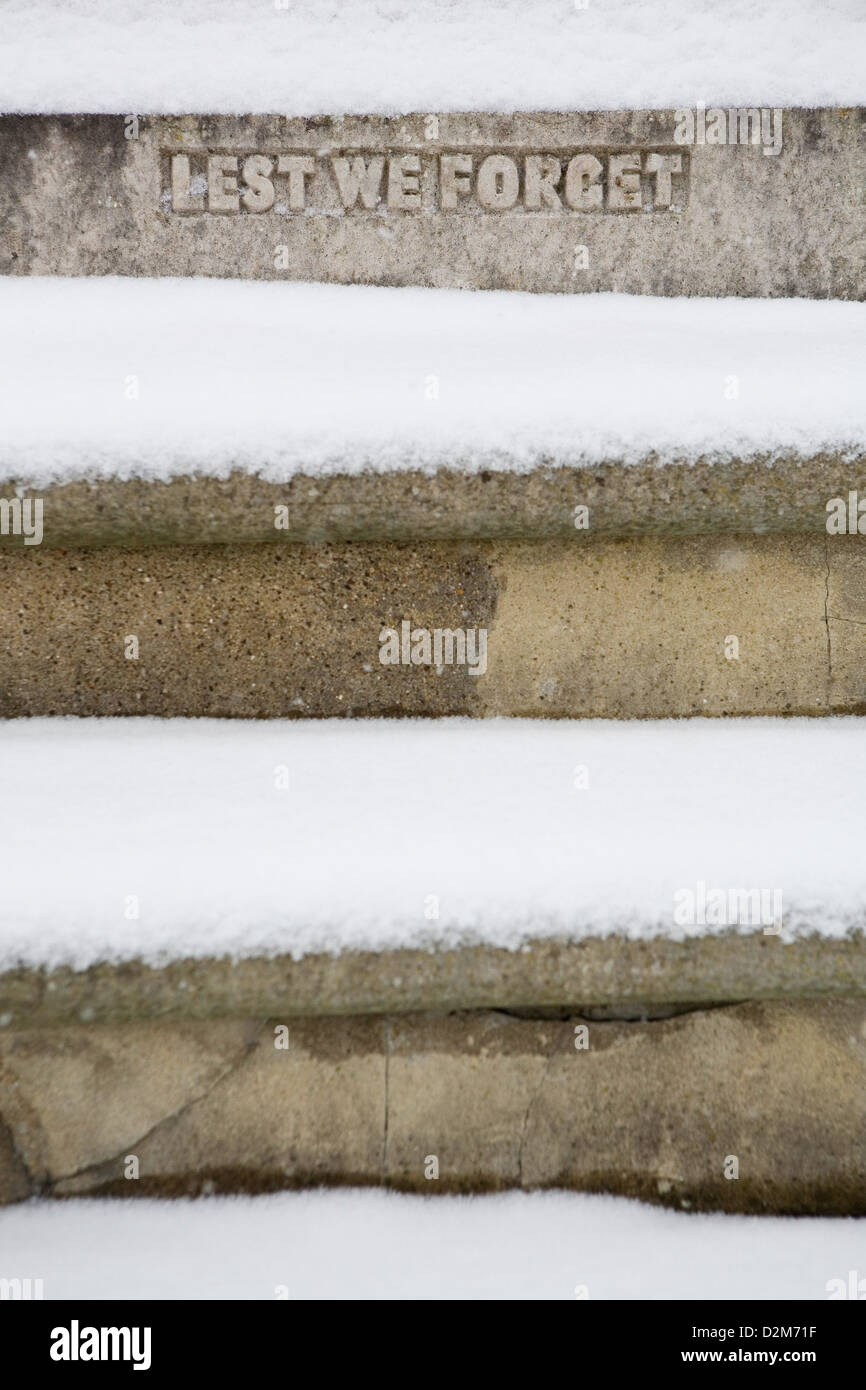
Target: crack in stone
{"x": 29, "y": 1118}
{"x": 657, "y": 1012}
{"x": 31, "y": 1182}
{"x": 827, "y": 620}
{"x": 556, "y": 1048}
{"x": 387, "y": 1040}
{"x": 232, "y": 1066}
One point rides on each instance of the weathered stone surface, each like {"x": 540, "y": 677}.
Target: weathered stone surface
{"x": 620, "y": 976}
{"x": 787, "y": 494}
{"x": 584, "y": 627}
{"x": 651, "y": 1110}
{"x": 66, "y": 1098}
{"x": 15, "y": 1183}
{"x": 655, "y": 1110}
{"x": 846, "y": 612}
{"x": 565, "y": 202}
{"x": 314, "y": 1112}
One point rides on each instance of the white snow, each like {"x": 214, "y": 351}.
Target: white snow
{"x": 186, "y": 817}
{"x": 316, "y": 56}
{"x": 380, "y": 1245}
{"x": 277, "y": 378}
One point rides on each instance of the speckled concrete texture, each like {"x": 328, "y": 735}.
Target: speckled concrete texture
{"x": 584, "y": 627}
{"x": 655, "y": 497}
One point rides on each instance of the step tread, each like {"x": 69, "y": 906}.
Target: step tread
{"x": 418, "y": 836}
{"x": 418, "y": 55}
{"x": 166, "y": 378}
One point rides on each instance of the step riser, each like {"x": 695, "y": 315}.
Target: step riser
{"x": 629, "y": 629}
{"x": 654, "y": 1110}
{"x": 732, "y": 220}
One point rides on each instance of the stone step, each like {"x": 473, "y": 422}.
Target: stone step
{"x": 622, "y": 958}
{"x": 290, "y": 954}
{"x": 646, "y": 202}
{"x": 460, "y": 416}
{"x": 759, "y": 1107}
{"x": 205, "y": 869}
{"x": 419, "y": 414}
{"x": 529, "y": 435}
{"x": 162, "y": 379}
{"x": 640, "y": 628}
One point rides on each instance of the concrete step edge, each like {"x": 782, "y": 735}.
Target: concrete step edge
{"x": 764, "y": 494}
{"x": 613, "y": 975}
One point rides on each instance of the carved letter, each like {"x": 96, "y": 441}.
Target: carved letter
{"x": 454, "y": 179}
{"x": 357, "y": 176}
{"x": 222, "y": 191}
{"x": 623, "y": 184}
{"x": 663, "y": 165}
{"x": 181, "y": 201}
{"x": 543, "y": 173}
{"x": 403, "y": 185}
{"x": 498, "y": 183}
{"x": 298, "y": 167}
{"x": 583, "y": 183}
{"x": 259, "y": 194}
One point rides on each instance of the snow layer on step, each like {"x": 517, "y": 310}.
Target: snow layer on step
{"x": 309, "y": 57}
{"x": 119, "y": 377}
{"x": 369, "y": 1244}
{"x": 167, "y": 839}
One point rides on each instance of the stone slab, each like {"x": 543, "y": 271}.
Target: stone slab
{"x": 585, "y": 627}
{"x": 759, "y": 1107}
{"x": 766, "y": 494}
{"x": 617, "y": 976}
{"x": 637, "y": 202}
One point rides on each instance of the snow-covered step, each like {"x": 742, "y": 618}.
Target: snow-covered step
{"x": 205, "y": 868}
{"x": 546, "y": 146}
{"x": 171, "y": 55}
{"x": 145, "y": 411}
{"x": 453, "y": 418}
{"x": 385, "y": 1245}
{"x": 754, "y": 199}
{"x": 396, "y": 953}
